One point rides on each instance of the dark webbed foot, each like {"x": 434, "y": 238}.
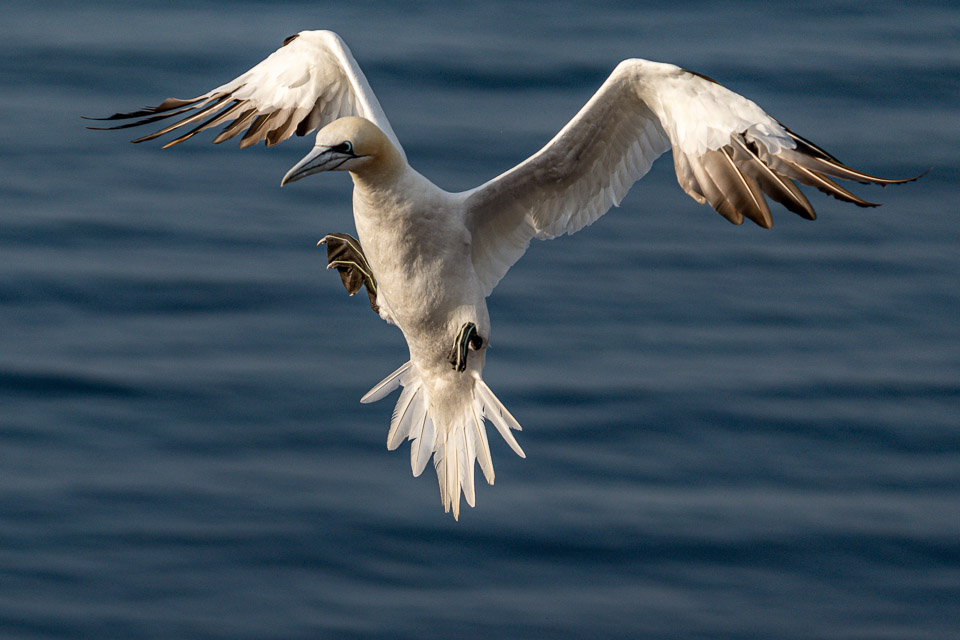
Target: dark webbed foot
{"x": 467, "y": 339}
{"x": 345, "y": 254}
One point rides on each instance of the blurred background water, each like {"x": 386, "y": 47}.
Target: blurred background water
{"x": 731, "y": 432}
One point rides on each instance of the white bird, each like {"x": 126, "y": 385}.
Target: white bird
{"x": 435, "y": 256}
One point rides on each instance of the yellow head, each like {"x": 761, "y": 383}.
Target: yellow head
{"x": 348, "y": 144}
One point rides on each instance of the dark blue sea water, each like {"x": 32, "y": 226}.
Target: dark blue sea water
{"x": 730, "y": 432}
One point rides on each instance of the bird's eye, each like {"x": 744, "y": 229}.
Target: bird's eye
{"x": 343, "y": 147}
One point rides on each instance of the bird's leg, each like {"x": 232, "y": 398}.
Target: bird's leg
{"x": 467, "y": 338}
{"x": 345, "y": 254}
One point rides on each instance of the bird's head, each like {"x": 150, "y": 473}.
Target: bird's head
{"x": 347, "y": 144}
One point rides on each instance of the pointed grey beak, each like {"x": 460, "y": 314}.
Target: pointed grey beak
{"x": 319, "y": 159}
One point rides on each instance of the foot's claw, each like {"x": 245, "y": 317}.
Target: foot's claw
{"x": 467, "y": 339}
{"x": 345, "y": 254}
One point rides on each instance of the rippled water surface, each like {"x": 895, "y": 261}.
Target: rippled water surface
{"x": 730, "y": 432}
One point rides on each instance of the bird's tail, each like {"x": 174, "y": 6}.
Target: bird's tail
{"x": 455, "y": 445}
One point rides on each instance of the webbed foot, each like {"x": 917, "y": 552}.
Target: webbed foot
{"x": 345, "y": 254}
{"x": 467, "y": 339}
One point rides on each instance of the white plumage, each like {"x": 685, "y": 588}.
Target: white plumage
{"x": 436, "y": 255}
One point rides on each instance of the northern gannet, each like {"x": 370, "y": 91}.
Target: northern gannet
{"x": 435, "y": 256}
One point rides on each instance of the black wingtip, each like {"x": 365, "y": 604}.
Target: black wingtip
{"x": 913, "y": 179}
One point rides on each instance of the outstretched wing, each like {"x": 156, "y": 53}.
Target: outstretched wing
{"x": 726, "y": 152}
{"x": 311, "y": 80}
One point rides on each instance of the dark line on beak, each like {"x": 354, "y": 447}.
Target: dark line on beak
{"x": 341, "y": 163}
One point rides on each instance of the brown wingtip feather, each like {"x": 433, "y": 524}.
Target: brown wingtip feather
{"x": 731, "y": 192}
{"x": 219, "y": 108}
{"x": 167, "y": 105}
{"x": 777, "y": 187}
{"x": 217, "y": 118}
{"x": 735, "y": 178}
{"x": 817, "y": 159}
{"x": 256, "y": 132}
{"x": 752, "y": 203}
{"x": 138, "y": 123}
{"x": 236, "y": 126}
{"x": 822, "y": 183}
{"x": 217, "y": 103}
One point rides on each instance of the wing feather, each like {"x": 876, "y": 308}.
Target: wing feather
{"x": 311, "y": 80}
{"x": 727, "y": 152}
{"x": 236, "y": 126}
{"x": 206, "y": 109}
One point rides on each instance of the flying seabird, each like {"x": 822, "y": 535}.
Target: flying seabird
{"x": 430, "y": 258}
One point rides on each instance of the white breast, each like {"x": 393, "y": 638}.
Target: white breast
{"x": 419, "y": 249}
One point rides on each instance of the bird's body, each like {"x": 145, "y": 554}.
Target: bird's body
{"x": 414, "y": 236}
{"x": 418, "y": 246}
{"x": 415, "y": 240}
{"x": 435, "y": 256}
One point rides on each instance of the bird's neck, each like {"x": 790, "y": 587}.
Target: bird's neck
{"x": 382, "y": 173}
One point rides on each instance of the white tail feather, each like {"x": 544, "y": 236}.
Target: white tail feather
{"x": 478, "y": 436}
{"x": 383, "y": 388}
{"x": 502, "y": 419}
{"x": 423, "y": 445}
{"x": 455, "y": 447}
{"x": 402, "y": 413}
{"x": 412, "y": 423}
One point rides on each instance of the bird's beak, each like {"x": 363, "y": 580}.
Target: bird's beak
{"x": 319, "y": 159}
